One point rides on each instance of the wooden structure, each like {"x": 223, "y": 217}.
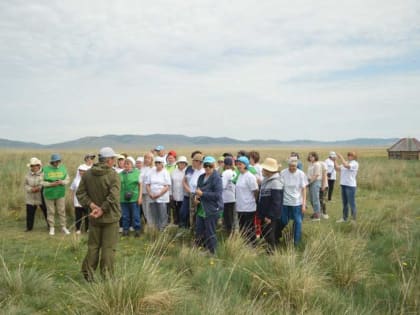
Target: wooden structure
{"x": 405, "y": 149}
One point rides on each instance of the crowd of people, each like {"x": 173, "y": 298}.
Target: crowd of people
{"x": 120, "y": 194}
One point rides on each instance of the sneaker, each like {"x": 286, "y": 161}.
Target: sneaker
{"x": 65, "y": 231}
{"x": 125, "y": 233}
{"x": 131, "y": 229}
{"x": 341, "y": 220}
{"x": 121, "y": 229}
{"x": 325, "y": 216}
{"x": 315, "y": 217}
{"x": 78, "y": 232}
{"x": 52, "y": 231}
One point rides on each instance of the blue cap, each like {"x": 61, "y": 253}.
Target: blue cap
{"x": 55, "y": 157}
{"x": 209, "y": 159}
{"x": 243, "y": 160}
{"x": 159, "y": 148}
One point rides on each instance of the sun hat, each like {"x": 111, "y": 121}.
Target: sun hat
{"x": 34, "y": 161}
{"x": 140, "y": 159}
{"x": 182, "y": 159}
{"x": 332, "y": 154}
{"x": 55, "y": 157}
{"x": 228, "y": 161}
{"x": 244, "y": 160}
{"x": 209, "y": 159}
{"x": 270, "y": 165}
{"x": 83, "y": 167}
{"x": 89, "y": 156}
{"x": 159, "y": 148}
{"x": 159, "y": 159}
{"x": 131, "y": 159}
{"x": 107, "y": 152}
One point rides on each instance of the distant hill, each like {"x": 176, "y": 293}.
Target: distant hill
{"x": 133, "y": 141}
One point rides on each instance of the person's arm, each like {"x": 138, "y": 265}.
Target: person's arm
{"x": 66, "y": 180}
{"x": 343, "y": 161}
{"x": 303, "y": 199}
{"x": 186, "y": 185}
{"x": 140, "y": 199}
{"x": 113, "y": 196}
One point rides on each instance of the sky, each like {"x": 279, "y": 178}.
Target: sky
{"x": 285, "y": 70}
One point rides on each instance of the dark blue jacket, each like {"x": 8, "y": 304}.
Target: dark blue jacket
{"x": 270, "y": 199}
{"x": 211, "y": 199}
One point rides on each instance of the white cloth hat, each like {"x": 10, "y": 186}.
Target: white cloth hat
{"x": 83, "y": 167}
{"x": 34, "y": 161}
{"x": 159, "y": 159}
{"x": 131, "y": 159}
{"x": 332, "y": 154}
{"x": 182, "y": 158}
{"x": 140, "y": 159}
{"x": 107, "y": 152}
{"x": 293, "y": 160}
{"x": 270, "y": 165}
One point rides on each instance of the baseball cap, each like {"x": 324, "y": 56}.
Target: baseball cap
{"x": 159, "y": 148}
{"x": 107, "y": 152}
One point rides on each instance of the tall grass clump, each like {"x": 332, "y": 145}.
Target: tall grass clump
{"x": 139, "y": 286}
{"x": 24, "y": 288}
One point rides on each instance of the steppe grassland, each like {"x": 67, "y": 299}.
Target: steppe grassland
{"x": 369, "y": 267}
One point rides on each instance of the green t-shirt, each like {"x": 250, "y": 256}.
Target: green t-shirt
{"x": 130, "y": 183}
{"x": 51, "y": 174}
{"x": 170, "y": 168}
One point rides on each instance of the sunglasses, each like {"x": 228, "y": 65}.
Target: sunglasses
{"x": 158, "y": 162}
{"x": 208, "y": 165}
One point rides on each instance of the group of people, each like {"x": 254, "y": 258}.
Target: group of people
{"x": 113, "y": 195}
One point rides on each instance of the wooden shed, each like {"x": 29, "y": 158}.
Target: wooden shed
{"x": 405, "y": 149}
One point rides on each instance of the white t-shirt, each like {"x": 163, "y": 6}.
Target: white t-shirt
{"x": 144, "y": 173}
{"x": 245, "y": 197}
{"x": 74, "y": 185}
{"x": 293, "y": 184}
{"x": 192, "y": 181}
{"x": 228, "y": 186}
{"x": 157, "y": 181}
{"x": 177, "y": 177}
{"x": 348, "y": 176}
{"x": 331, "y": 169}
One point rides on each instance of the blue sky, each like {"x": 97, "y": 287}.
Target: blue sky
{"x": 282, "y": 70}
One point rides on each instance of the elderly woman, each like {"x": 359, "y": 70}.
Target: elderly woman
{"x": 177, "y": 187}
{"x": 144, "y": 174}
{"x": 130, "y": 196}
{"x": 348, "y": 184}
{"x": 315, "y": 183}
{"x": 79, "y": 211}
{"x": 158, "y": 184}
{"x": 246, "y": 193}
{"x": 270, "y": 202}
{"x": 33, "y": 195}
{"x": 209, "y": 200}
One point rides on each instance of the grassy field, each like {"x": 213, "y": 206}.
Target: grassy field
{"x": 370, "y": 267}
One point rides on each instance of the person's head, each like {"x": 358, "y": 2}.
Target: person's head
{"x": 55, "y": 159}
{"x": 197, "y": 161}
{"x": 171, "y": 157}
{"x": 332, "y": 155}
{"x": 107, "y": 156}
{"x": 148, "y": 159}
{"x": 209, "y": 163}
{"x": 294, "y": 154}
{"x": 270, "y": 167}
{"x": 139, "y": 162}
{"x": 120, "y": 161}
{"x": 242, "y": 164}
{"x": 34, "y": 165}
{"x": 254, "y": 157}
{"x": 160, "y": 150}
{"x": 351, "y": 155}
{"x": 220, "y": 161}
{"x": 195, "y": 152}
{"x": 89, "y": 158}
{"x": 129, "y": 163}
{"x": 293, "y": 162}
{"x": 313, "y": 156}
{"x": 182, "y": 162}
{"x": 228, "y": 163}
{"x": 227, "y": 154}
{"x": 82, "y": 169}
{"x": 243, "y": 153}
{"x": 159, "y": 163}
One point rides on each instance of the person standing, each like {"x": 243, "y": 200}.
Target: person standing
{"x": 209, "y": 201}
{"x": 294, "y": 198}
{"x": 177, "y": 187}
{"x": 270, "y": 202}
{"x": 99, "y": 191}
{"x": 33, "y": 193}
{"x": 315, "y": 182}
{"x": 229, "y": 199}
{"x": 80, "y": 212}
{"x": 130, "y": 197}
{"x": 323, "y": 192}
{"x": 331, "y": 173}
{"x": 144, "y": 174}
{"x": 348, "y": 182}
{"x": 55, "y": 178}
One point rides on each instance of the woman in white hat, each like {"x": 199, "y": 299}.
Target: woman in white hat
{"x": 177, "y": 187}
{"x": 33, "y": 194}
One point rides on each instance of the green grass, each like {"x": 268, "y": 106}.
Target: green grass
{"x": 371, "y": 267}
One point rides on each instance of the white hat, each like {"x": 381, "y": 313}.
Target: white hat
{"x": 332, "y": 154}
{"x": 140, "y": 159}
{"x": 107, "y": 152}
{"x": 293, "y": 160}
{"x": 34, "y": 161}
{"x": 270, "y": 165}
{"x": 83, "y": 167}
{"x": 159, "y": 159}
{"x": 131, "y": 159}
{"x": 181, "y": 159}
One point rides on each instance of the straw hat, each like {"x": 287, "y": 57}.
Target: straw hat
{"x": 34, "y": 161}
{"x": 270, "y": 165}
